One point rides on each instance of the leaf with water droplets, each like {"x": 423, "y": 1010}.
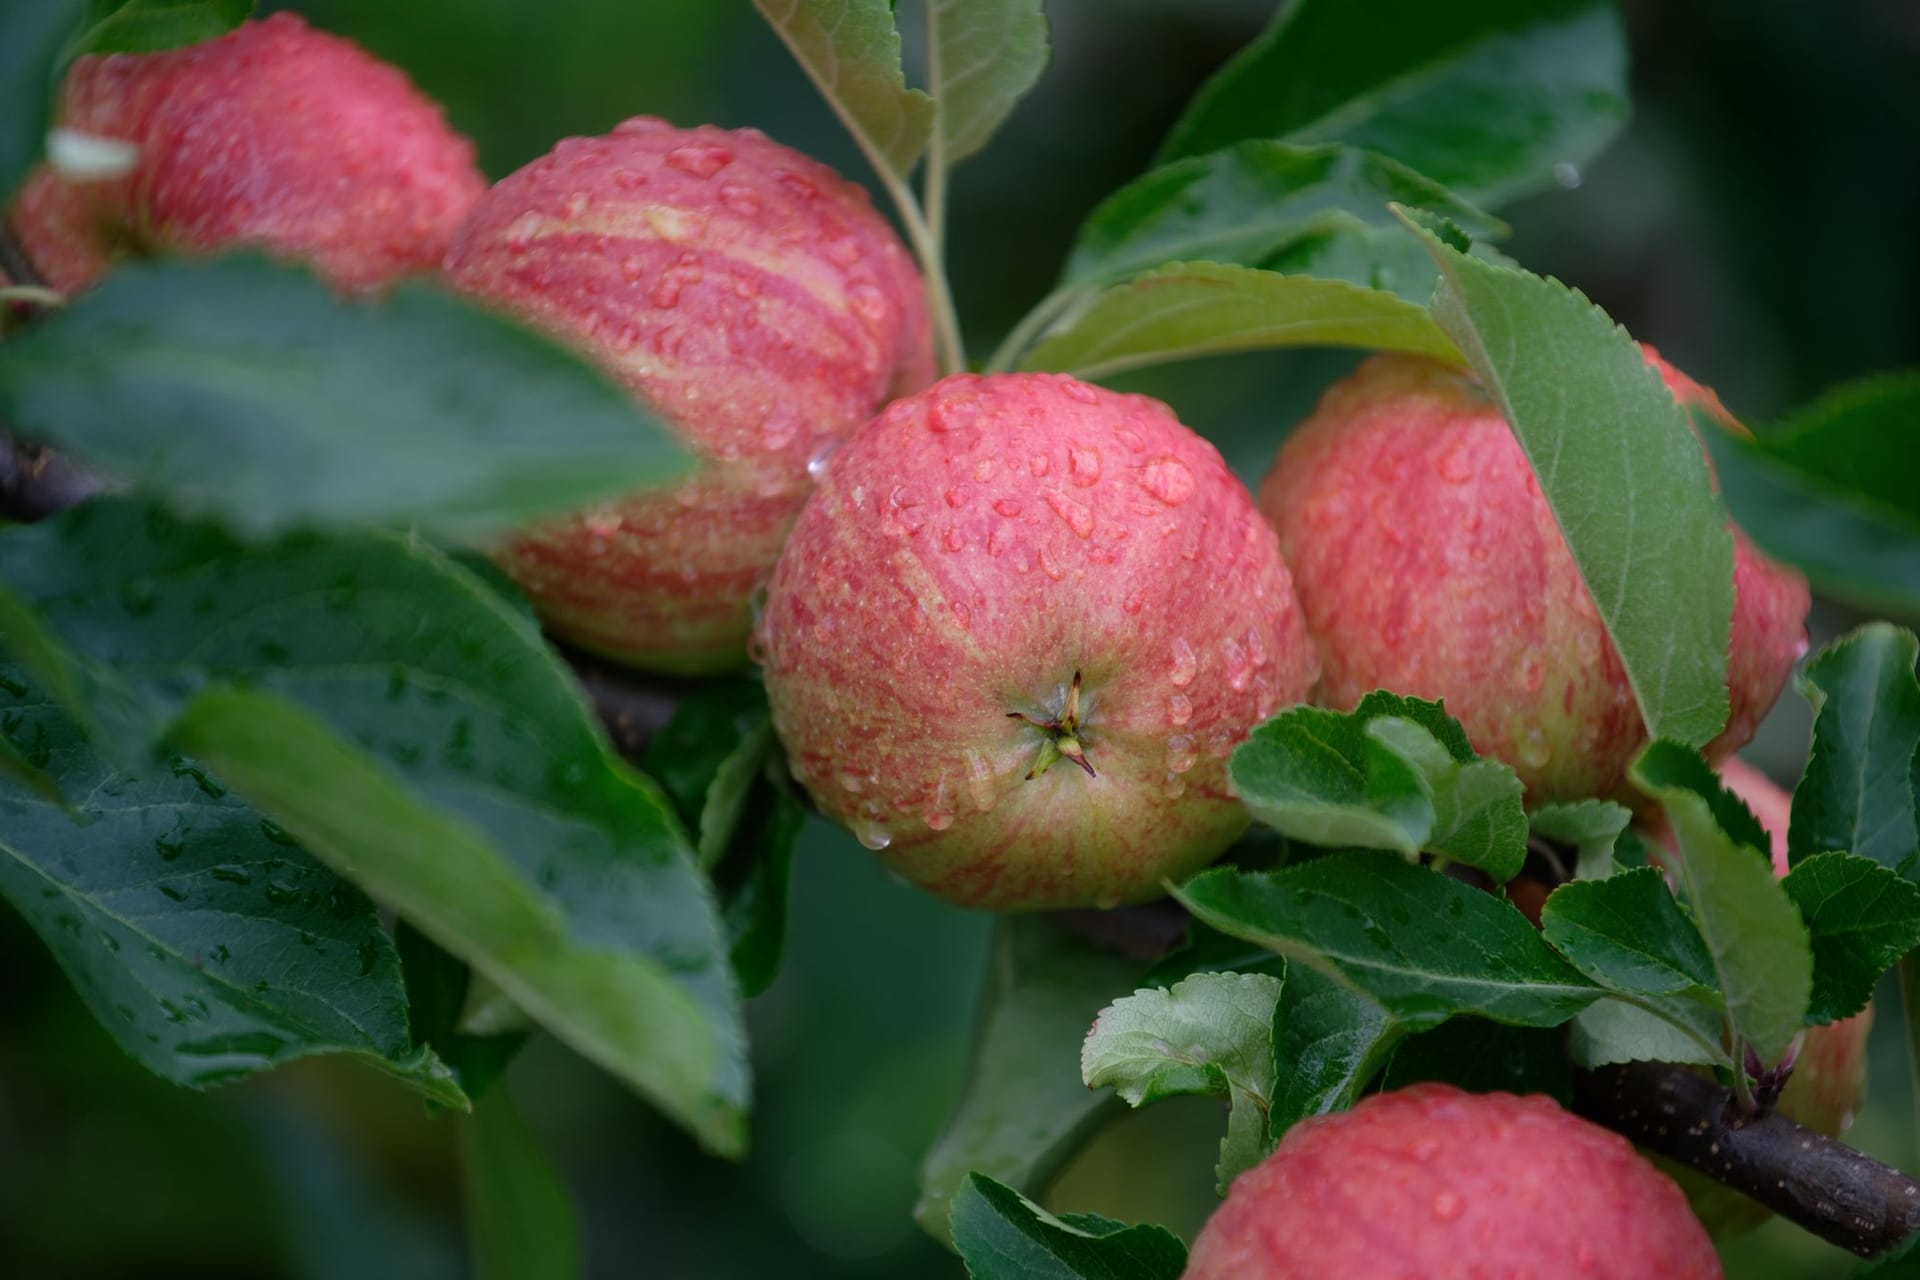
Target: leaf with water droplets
{"x": 1425, "y": 946}
{"x": 422, "y": 739}
{"x": 150, "y": 893}
{"x": 1212, "y": 1035}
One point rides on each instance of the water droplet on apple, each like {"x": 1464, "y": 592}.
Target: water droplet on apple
{"x": 522, "y": 230}
{"x": 937, "y": 819}
{"x": 956, "y": 496}
{"x": 1134, "y": 603}
{"x": 1084, "y": 465}
{"x": 1179, "y": 709}
{"x": 1007, "y": 507}
{"x": 817, "y": 464}
{"x": 1535, "y": 751}
{"x": 1239, "y": 672}
{"x": 1174, "y": 787}
{"x": 1077, "y": 516}
{"x": 1181, "y": 753}
{"x": 1168, "y": 480}
{"x": 1447, "y": 1206}
{"x": 962, "y": 615}
{"x": 873, "y": 835}
{"x": 954, "y": 540}
{"x": 1186, "y": 664}
{"x": 701, "y": 159}
{"x": 979, "y": 781}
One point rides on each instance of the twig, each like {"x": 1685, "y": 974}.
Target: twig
{"x": 1826, "y": 1187}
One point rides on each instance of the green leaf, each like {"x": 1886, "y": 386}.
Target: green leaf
{"x": 850, "y": 49}
{"x": 150, "y": 26}
{"x": 1627, "y": 933}
{"x": 1483, "y": 1057}
{"x": 1903, "y": 1263}
{"x": 1394, "y": 773}
{"x": 1862, "y": 918}
{"x": 1002, "y": 1235}
{"x": 1612, "y": 1030}
{"x": 718, "y": 760}
{"x": 1211, "y": 1034}
{"x": 521, "y": 1223}
{"x": 1328, "y": 1041}
{"x": 32, "y": 35}
{"x": 982, "y": 57}
{"x": 1490, "y": 97}
{"x": 1847, "y": 544}
{"x": 1761, "y": 954}
{"x": 1859, "y": 438}
{"x": 1189, "y": 309}
{"x": 437, "y": 987}
{"x": 1025, "y": 1109}
{"x": 1592, "y": 827}
{"x": 252, "y": 393}
{"x": 1250, "y": 201}
{"x": 206, "y": 943}
{"x": 1423, "y": 945}
{"x": 1857, "y": 795}
{"x": 416, "y": 733}
{"x": 1620, "y": 465}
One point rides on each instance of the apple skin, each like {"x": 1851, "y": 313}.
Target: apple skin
{"x": 751, "y": 297}
{"x": 274, "y": 136}
{"x": 1829, "y": 1080}
{"x": 1430, "y": 1183}
{"x": 1429, "y": 563}
{"x": 966, "y": 554}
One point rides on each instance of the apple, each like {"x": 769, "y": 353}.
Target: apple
{"x": 754, "y": 300}
{"x": 1430, "y": 1183}
{"x": 1017, "y": 631}
{"x": 274, "y": 136}
{"x": 1429, "y": 563}
{"x": 1829, "y": 1080}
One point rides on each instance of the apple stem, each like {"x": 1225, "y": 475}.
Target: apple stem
{"x": 1063, "y": 735}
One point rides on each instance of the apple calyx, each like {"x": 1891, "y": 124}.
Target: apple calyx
{"x": 1063, "y": 735}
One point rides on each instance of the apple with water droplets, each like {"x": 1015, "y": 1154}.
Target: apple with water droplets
{"x": 1429, "y": 563}
{"x": 754, "y": 300}
{"x": 1430, "y": 1183}
{"x": 274, "y": 136}
{"x": 1017, "y": 631}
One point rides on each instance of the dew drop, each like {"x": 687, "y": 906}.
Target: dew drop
{"x": 817, "y": 464}
{"x": 979, "y": 781}
{"x": 937, "y": 819}
{"x": 1074, "y": 389}
{"x": 1447, "y": 1206}
{"x": 1174, "y": 787}
{"x": 1037, "y": 465}
{"x": 1534, "y": 750}
{"x": 873, "y": 835}
{"x": 844, "y": 252}
{"x": 1179, "y": 709}
{"x": 577, "y": 203}
{"x": 1456, "y": 467}
{"x": 1168, "y": 480}
{"x": 1084, "y": 466}
{"x": 1186, "y": 664}
{"x": 954, "y": 540}
{"x": 962, "y": 615}
{"x": 1050, "y": 566}
{"x": 1134, "y": 603}
{"x": 740, "y": 200}
{"x": 701, "y": 159}
{"x": 850, "y": 781}
{"x": 1239, "y": 671}
{"x": 1567, "y": 175}
{"x": 522, "y": 230}
{"x": 1078, "y": 517}
{"x": 956, "y": 496}
{"x": 999, "y": 540}
{"x": 1007, "y": 507}
{"x": 869, "y": 302}
{"x": 1181, "y": 753}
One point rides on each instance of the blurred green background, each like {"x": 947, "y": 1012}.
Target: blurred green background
{"x": 1760, "y": 222}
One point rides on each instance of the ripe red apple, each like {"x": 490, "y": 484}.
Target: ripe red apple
{"x": 1430, "y": 564}
{"x": 1015, "y": 634}
{"x": 1429, "y": 1183}
{"x": 1829, "y": 1079}
{"x": 750, "y": 296}
{"x": 274, "y": 136}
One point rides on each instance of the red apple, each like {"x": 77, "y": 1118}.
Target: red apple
{"x": 1429, "y": 563}
{"x": 751, "y": 297}
{"x": 1016, "y": 633}
{"x": 1429, "y": 1183}
{"x": 274, "y": 136}
{"x": 1829, "y": 1079}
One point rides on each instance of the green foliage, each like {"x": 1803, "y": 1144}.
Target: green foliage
{"x": 252, "y": 393}
{"x": 519, "y": 1217}
{"x": 1592, "y": 827}
{"x": 417, "y": 735}
{"x": 982, "y": 57}
{"x": 1191, "y": 309}
{"x": 32, "y": 34}
{"x": 1490, "y": 97}
{"x": 1247, "y": 203}
{"x": 1483, "y": 1057}
{"x": 1857, "y": 795}
{"x": 1761, "y": 954}
{"x": 1001, "y": 1235}
{"x": 1025, "y": 1109}
{"x": 206, "y": 942}
{"x": 1393, "y": 931}
{"x": 1861, "y": 918}
{"x": 851, "y": 51}
{"x": 1330, "y": 1040}
{"x": 1210, "y": 1035}
{"x": 1621, "y": 469}
{"x": 1395, "y": 773}
{"x": 149, "y": 26}
{"x": 1832, "y": 491}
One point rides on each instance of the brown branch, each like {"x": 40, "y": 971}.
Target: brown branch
{"x": 1826, "y": 1187}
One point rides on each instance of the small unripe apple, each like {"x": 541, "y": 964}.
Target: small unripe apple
{"x": 1429, "y": 563}
{"x": 751, "y": 297}
{"x": 1829, "y": 1080}
{"x": 274, "y": 136}
{"x": 1015, "y": 635}
{"x": 1430, "y": 1183}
